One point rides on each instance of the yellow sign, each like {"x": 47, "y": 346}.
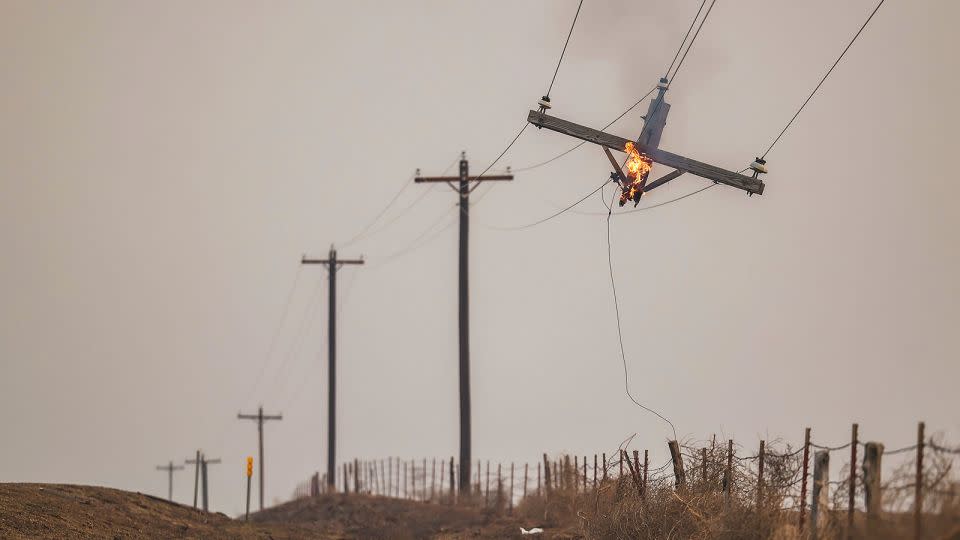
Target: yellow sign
{"x": 249, "y": 466}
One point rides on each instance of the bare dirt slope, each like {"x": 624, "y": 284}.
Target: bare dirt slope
{"x": 65, "y": 511}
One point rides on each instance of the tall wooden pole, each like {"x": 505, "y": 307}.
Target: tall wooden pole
{"x": 918, "y": 489}
{"x": 853, "y": 479}
{"x": 463, "y": 189}
{"x": 803, "y": 481}
{"x": 333, "y": 264}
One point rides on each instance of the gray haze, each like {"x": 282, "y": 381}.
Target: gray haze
{"x": 163, "y": 166}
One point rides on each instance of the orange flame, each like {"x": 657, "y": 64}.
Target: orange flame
{"x": 638, "y": 167}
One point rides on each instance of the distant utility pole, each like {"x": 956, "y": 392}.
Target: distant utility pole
{"x": 465, "y": 185}
{"x": 196, "y": 476}
{"x": 203, "y": 473}
{"x": 333, "y": 264}
{"x": 260, "y": 418}
{"x": 170, "y": 468}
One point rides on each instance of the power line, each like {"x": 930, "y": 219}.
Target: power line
{"x": 690, "y": 46}
{"x": 567, "y": 42}
{"x": 494, "y": 162}
{"x": 415, "y": 243}
{"x": 548, "y": 218}
{"x": 680, "y": 48}
{"x": 623, "y": 354}
{"x": 371, "y": 223}
{"x": 276, "y": 334}
{"x": 829, "y": 71}
{"x": 578, "y": 145}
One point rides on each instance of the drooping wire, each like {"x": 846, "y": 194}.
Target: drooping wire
{"x": 680, "y": 48}
{"x": 623, "y": 354}
{"x": 567, "y": 42}
{"x": 376, "y": 218}
{"x": 548, "y": 218}
{"x": 829, "y": 71}
{"x": 416, "y": 243}
{"x": 578, "y": 145}
{"x": 494, "y": 162}
{"x": 276, "y": 334}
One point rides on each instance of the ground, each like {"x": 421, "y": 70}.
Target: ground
{"x": 65, "y": 511}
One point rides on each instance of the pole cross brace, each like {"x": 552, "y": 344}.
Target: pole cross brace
{"x": 680, "y": 163}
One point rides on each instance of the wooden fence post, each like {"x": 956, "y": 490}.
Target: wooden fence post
{"x": 873, "y": 501}
{"x": 703, "y": 467}
{"x": 526, "y": 469}
{"x": 486, "y": 494}
{"x": 803, "y": 481}
{"x": 646, "y": 472}
{"x": 346, "y": 479}
{"x": 584, "y": 474}
{"x": 538, "y": 478}
{"x": 479, "y": 473}
{"x": 510, "y": 500}
{"x": 918, "y": 488}
{"x": 356, "y": 475}
{"x": 728, "y": 476}
{"x": 821, "y": 490}
{"x": 634, "y": 473}
{"x": 594, "y": 472}
{"x": 433, "y": 478}
{"x": 499, "y": 502}
{"x": 453, "y": 484}
{"x": 760, "y": 457}
{"x": 679, "y": 476}
{"x": 604, "y": 466}
{"x": 853, "y": 479}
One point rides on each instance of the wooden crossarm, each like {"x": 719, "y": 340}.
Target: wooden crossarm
{"x": 697, "y": 168}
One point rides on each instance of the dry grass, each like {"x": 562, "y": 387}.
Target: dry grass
{"x": 701, "y": 510}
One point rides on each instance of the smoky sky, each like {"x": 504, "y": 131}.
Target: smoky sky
{"x": 164, "y": 165}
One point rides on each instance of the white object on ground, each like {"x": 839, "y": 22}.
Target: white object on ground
{"x": 535, "y": 530}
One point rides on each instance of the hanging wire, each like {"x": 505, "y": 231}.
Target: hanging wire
{"x": 819, "y": 84}
{"x": 623, "y": 355}
{"x": 567, "y": 42}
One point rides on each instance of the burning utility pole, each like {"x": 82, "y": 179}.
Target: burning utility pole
{"x": 465, "y": 185}
{"x": 642, "y": 154}
{"x": 333, "y": 265}
{"x": 260, "y": 419}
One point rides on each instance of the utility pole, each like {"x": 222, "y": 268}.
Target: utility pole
{"x": 465, "y": 185}
{"x": 647, "y": 149}
{"x": 196, "y": 476}
{"x": 170, "y": 468}
{"x": 260, "y": 418}
{"x": 203, "y": 472}
{"x": 333, "y": 264}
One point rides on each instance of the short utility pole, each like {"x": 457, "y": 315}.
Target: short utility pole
{"x": 170, "y": 468}
{"x": 260, "y": 418}
{"x": 647, "y": 149}
{"x": 203, "y": 473}
{"x": 465, "y": 184}
{"x": 333, "y": 264}
{"x": 196, "y": 476}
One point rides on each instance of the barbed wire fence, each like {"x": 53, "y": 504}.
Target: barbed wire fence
{"x": 908, "y": 489}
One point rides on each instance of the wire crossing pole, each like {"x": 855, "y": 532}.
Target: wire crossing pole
{"x": 170, "y": 468}
{"x": 260, "y": 418}
{"x": 466, "y": 184}
{"x": 333, "y": 265}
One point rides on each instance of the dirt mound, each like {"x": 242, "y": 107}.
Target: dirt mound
{"x": 63, "y": 511}
{"x": 364, "y": 516}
